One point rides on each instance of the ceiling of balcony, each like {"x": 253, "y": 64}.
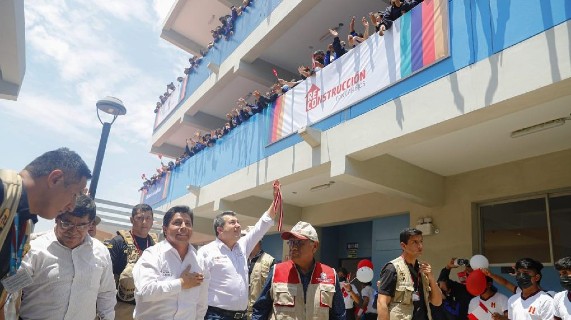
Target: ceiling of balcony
{"x": 490, "y": 143}
{"x": 311, "y": 32}
{"x": 12, "y": 48}
{"x": 192, "y": 20}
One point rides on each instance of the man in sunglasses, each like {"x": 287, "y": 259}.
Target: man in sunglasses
{"x": 70, "y": 275}
{"x": 301, "y": 288}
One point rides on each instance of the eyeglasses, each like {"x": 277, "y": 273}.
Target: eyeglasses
{"x": 297, "y": 243}
{"x": 67, "y": 225}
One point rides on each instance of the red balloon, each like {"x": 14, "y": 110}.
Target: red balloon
{"x": 476, "y": 282}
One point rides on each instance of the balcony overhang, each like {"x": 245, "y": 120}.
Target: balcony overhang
{"x": 12, "y": 48}
{"x": 195, "y": 36}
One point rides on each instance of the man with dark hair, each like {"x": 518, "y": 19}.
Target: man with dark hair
{"x": 125, "y": 249}
{"x": 93, "y": 227}
{"x": 46, "y": 187}
{"x": 531, "y": 302}
{"x": 226, "y": 265}
{"x": 71, "y": 275}
{"x": 350, "y": 293}
{"x": 490, "y": 305}
{"x": 456, "y": 298}
{"x": 407, "y": 286}
{"x": 562, "y": 300}
{"x": 169, "y": 276}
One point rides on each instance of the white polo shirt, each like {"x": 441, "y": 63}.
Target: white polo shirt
{"x": 227, "y": 269}
{"x": 159, "y": 293}
{"x": 483, "y": 309}
{"x": 562, "y": 305}
{"x": 536, "y": 307}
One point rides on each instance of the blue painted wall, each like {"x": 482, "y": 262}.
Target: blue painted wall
{"x": 334, "y": 241}
{"x": 478, "y": 29}
{"x": 386, "y": 240}
{"x": 273, "y": 244}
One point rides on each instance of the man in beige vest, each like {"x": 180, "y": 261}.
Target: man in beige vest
{"x": 301, "y": 288}
{"x": 407, "y": 286}
{"x": 46, "y": 187}
{"x": 259, "y": 264}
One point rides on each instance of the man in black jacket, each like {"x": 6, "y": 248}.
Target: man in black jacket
{"x": 456, "y": 297}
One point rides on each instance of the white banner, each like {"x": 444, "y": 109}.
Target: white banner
{"x": 416, "y": 40}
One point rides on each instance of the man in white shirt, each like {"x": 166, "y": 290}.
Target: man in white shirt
{"x": 489, "y": 305}
{"x": 72, "y": 277}
{"x": 562, "y": 300}
{"x": 226, "y": 263}
{"x": 368, "y": 294}
{"x": 168, "y": 276}
{"x": 532, "y": 303}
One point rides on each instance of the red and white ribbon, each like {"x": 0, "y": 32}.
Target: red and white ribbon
{"x": 278, "y": 204}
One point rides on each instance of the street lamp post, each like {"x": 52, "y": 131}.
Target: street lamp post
{"x": 114, "y": 107}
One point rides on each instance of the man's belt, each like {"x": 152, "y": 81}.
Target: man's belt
{"x": 228, "y": 313}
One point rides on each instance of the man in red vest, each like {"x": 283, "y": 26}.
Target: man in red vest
{"x": 301, "y": 288}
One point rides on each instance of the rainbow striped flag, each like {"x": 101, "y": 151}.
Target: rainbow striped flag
{"x": 422, "y": 36}
{"x": 277, "y": 118}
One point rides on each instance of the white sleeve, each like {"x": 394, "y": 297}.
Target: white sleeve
{"x": 202, "y": 304}
{"x": 556, "y": 311}
{"x": 473, "y": 304}
{"x": 504, "y": 303}
{"x": 146, "y": 275}
{"x": 547, "y": 309}
{"x": 260, "y": 229}
{"x": 27, "y": 264}
{"x": 354, "y": 289}
{"x": 510, "y": 310}
{"x": 366, "y": 292}
{"x": 106, "y": 297}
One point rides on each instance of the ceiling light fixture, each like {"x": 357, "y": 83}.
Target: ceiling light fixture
{"x": 322, "y": 186}
{"x": 540, "y": 127}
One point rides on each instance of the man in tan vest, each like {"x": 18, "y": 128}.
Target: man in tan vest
{"x": 301, "y": 288}
{"x": 407, "y": 286}
{"x": 46, "y": 187}
{"x": 259, "y": 264}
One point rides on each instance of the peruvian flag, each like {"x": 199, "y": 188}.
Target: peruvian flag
{"x": 480, "y": 313}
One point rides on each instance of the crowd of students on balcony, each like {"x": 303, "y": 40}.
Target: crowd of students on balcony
{"x": 225, "y": 29}
{"x": 381, "y": 20}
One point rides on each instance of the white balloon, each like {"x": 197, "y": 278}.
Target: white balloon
{"x": 365, "y": 274}
{"x": 478, "y": 261}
